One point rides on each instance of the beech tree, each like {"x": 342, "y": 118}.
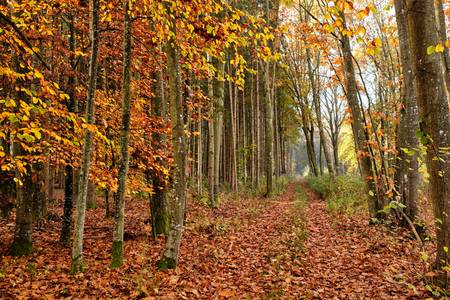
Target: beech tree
{"x": 117, "y": 245}
{"x": 434, "y": 120}
{"x": 77, "y": 248}
{"x": 170, "y": 256}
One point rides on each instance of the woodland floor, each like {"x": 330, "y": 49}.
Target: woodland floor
{"x": 288, "y": 247}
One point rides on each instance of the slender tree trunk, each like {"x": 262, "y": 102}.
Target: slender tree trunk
{"x": 77, "y": 250}
{"x": 442, "y": 31}
{"x": 316, "y": 103}
{"x": 211, "y": 145}
{"x": 69, "y": 174}
{"x": 407, "y": 173}
{"x": 218, "y": 125}
{"x": 158, "y": 199}
{"x": 358, "y": 128}
{"x": 435, "y": 122}
{"x": 252, "y": 127}
{"x": 170, "y": 256}
{"x": 232, "y": 136}
{"x": 268, "y": 130}
{"x": 258, "y": 127}
{"x": 117, "y": 244}
{"x": 91, "y": 201}
{"x": 48, "y": 170}
{"x": 308, "y": 131}
{"x": 199, "y": 152}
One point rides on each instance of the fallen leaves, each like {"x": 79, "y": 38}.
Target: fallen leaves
{"x": 237, "y": 251}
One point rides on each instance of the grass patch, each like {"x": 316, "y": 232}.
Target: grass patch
{"x": 279, "y": 187}
{"x": 298, "y": 216}
{"x": 344, "y": 194}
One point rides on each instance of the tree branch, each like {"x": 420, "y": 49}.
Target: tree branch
{"x": 23, "y": 38}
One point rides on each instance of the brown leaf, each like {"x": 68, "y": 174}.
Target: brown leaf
{"x": 227, "y": 293}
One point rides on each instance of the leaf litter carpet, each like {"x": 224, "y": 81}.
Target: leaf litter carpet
{"x": 245, "y": 249}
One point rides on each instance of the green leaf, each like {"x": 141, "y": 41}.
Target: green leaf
{"x": 430, "y": 50}
{"x": 409, "y": 152}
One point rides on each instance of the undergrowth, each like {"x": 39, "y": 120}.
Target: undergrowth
{"x": 245, "y": 190}
{"x": 344, "y": 194}
{"x": 298, "y": 215}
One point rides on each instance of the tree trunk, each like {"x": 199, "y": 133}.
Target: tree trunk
{"x": 232, "y": 134}
{"x": 48, "y": 189}
{"x": 316, "y": 103}
{"x": 258, "y": 127}
{"x": 358, "y": 128}
{"x": 169, "y": 258}
{"x": 117, "y": 244}
{"x": 77, "y": 250}
{"x": 68, "y": 203}
{"x": 407, "y": 174}
{"x": 268, "y": 126}
{"x": 211, "y": 145}
{"x": 435, "y": 123}
{"x": 31, "y": 191}
{"x": 91, "y": 201}
{"x": 158, "y": 200}
{"x": 199, "y": 153}
{"x": 218, "y": 125}
{"x": 442, "y": 31}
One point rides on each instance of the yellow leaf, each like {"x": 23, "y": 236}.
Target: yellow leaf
{"x": 10, "y": 103}
{"x": 79, "y": 53}
{"x": 439, "y": 48}
{"x": 377, "y": 42}
{"x": 361, "y": 30}
{"x": 38, "y": 74}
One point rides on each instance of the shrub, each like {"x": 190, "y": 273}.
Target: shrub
{"x": 344, "y": 194}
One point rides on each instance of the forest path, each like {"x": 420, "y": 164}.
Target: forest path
{"x": 286, "y": 247}
{"x": 346, "y": 259}
{"x": 245, "y": 253}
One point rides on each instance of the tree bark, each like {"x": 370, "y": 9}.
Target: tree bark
{"x": 169, "y": 258}
{"x": 407, "y": 174}
{"x": 442, "y": 31}
{"x": 316, "y": 101}
{"x": 77, "y": 249}
{"x": 158, "y": 199}
{"x": 218, "y": 125}
{"x": 358, "y": 128}
{"x": 29, "y": 192}
{"x": 211, "y": 145}
{"x": 117, "y": 244}
{"x": 69, "y": 174}
{"x": 435, "y": 122}
{"x": 268, "y": 124}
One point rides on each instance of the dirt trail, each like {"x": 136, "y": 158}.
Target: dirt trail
{"x": 253, "y": 260}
